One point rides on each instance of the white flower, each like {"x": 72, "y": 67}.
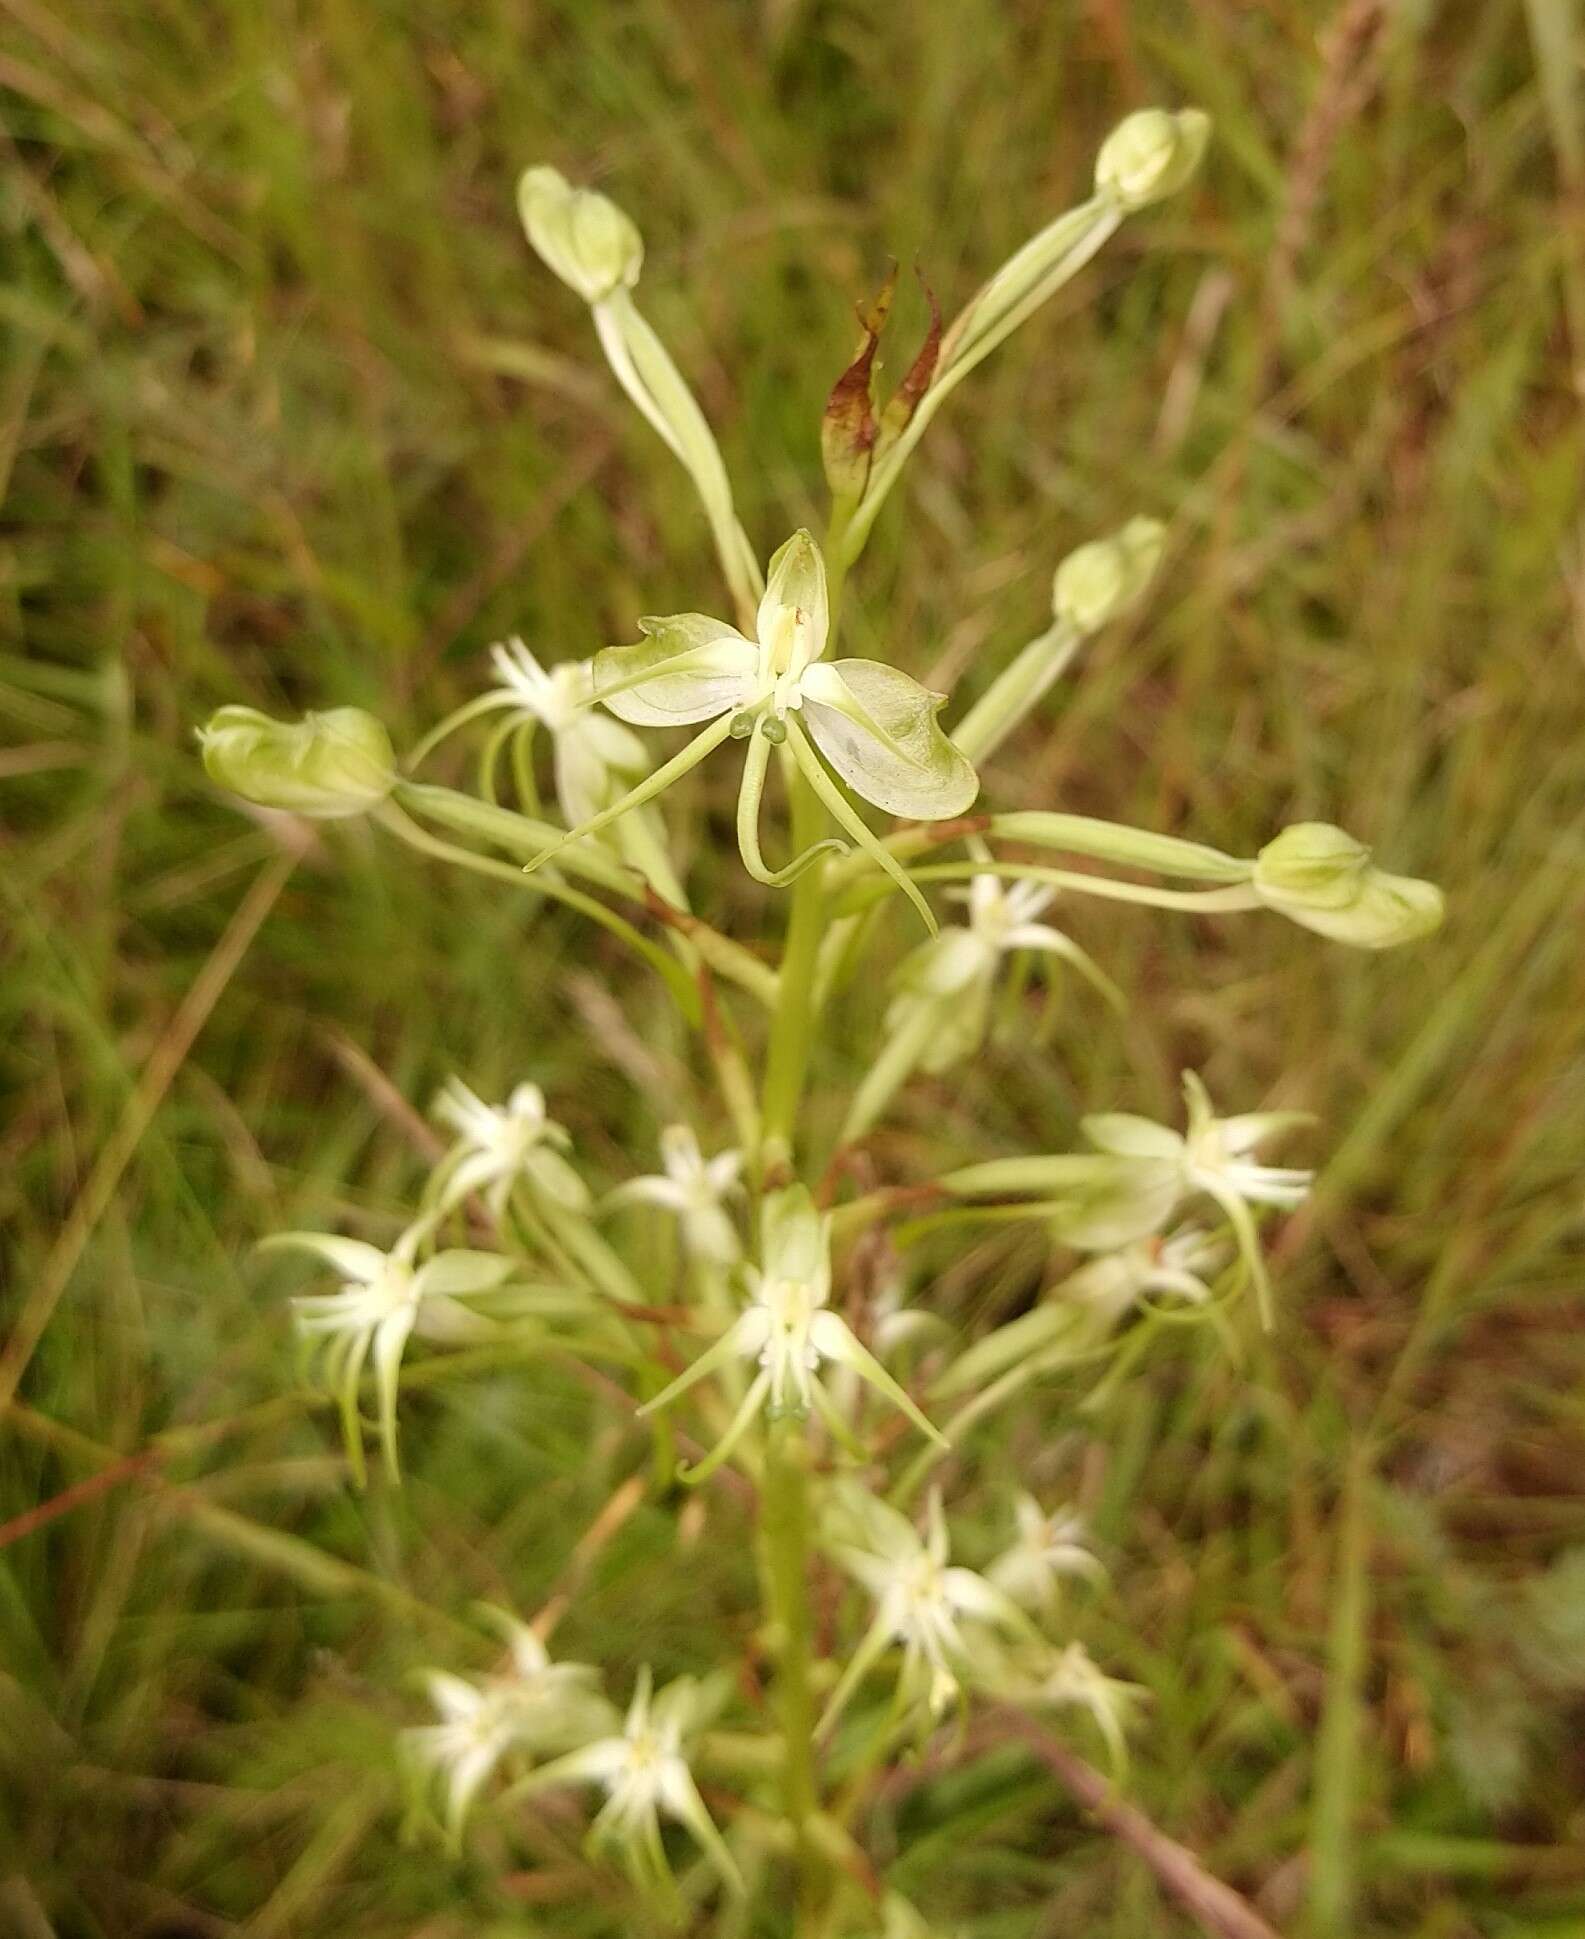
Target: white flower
{"x": 645, "y": 1772}
{"x": 871, "y": 722}
{"x": 1177, "y": 1263}
{"x": 384, "y": 1298}
{"x": 937, "y": 1612}
{"x": 696, "y": 1188}
{"x": 1049, "y": 1547}
{"x": 789, "y": 1328}
{"x": 944, "y": 988}
{"x": 532, "y": 1707}
{"x": 1151, "y": 1170}
{"x": 596, "y": 758}
{"x": 498, "y": 1146}
{"x": 1070, "y": 1678}
{"x": 1077, "y": 1313}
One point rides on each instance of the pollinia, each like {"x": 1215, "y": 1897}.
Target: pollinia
{"x": 826, "y": 1418}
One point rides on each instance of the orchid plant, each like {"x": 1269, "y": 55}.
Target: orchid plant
{"x": 775, "y": 1375}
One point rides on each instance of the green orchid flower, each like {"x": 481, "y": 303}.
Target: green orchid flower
{"x": 871, "y": 723}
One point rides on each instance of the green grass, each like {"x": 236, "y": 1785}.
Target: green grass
{"x": 288, "y": 415}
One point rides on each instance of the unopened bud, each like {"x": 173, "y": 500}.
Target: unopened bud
{"x": 1321, "y": 877}
{"x": 580, "y": 234}
{"x": 1151, "y": 155}
{"x": 1100, "y": 580}
{"x": 325, "y": 766}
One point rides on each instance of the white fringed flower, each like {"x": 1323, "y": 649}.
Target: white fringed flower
{"x": 533, "y": 1707}
{"x": 499, "y": 1146}
{"x": 696, "y": 1189}
{"x": 1049, "y": 1548}
{"x": 645, "y": 1771}
{"x": 789, "y": 1328}
{"x": 384, "y": 1298}
{"x": 934, "y": 1610}
{"x": 1178, "y": 1264}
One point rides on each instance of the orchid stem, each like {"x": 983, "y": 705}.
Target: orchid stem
{"x": 784, "y": 1539}
{"x": 792, "y": 1028}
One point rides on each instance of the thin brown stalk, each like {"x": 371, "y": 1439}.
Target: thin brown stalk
{"x": 1216, "y": 1906}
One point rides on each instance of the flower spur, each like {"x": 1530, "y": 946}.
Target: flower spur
{"x": 921, "y": 1601}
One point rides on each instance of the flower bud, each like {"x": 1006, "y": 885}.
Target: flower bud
{"x": 1321, "y": 877}
{"x": 580, "y": 234}
{"x": 1102, "y": 579}
{"x": 1151, "y": 155}
{"x": 325, "y": 766}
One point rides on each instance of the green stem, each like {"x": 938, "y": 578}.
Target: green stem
{"x": 784, "y": 1537}
{"x": 1239, "y": 898}
{"x": 792, "y": 1028}
{"x": 1016, "y": 691}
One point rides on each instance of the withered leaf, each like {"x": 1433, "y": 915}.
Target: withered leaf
{"x": 905, "y": 399}
{"x": 848, "y": 430}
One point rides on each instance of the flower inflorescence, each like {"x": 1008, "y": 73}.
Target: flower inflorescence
{"x": 793, "y": 1320}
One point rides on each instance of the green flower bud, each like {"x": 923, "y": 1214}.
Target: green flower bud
{"x": 1102, "y": 579}
{"x": 582, "y": 235}
{"x": 1151, "y": 155}
{"x": 325, "y": 766}
{"x": 1321, "y": 877}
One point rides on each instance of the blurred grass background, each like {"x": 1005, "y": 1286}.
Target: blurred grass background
{"x": 289, "y": 415}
